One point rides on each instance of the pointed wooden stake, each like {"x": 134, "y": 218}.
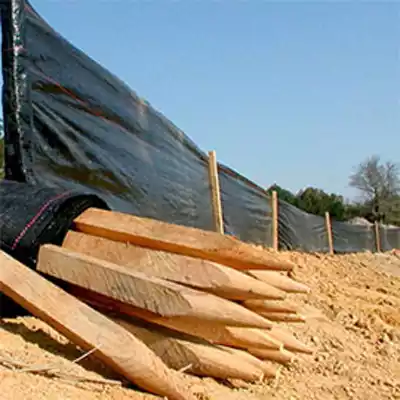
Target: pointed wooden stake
{"x": 200, "y": 358}
{"x": 275, "y": 220}
{"x": 214, "y": 333}
{"x": 89, "y": 329}
{"x": 215, "y": 190}
{"x": 194, "y": 272}
{"x": 270, "y": 306}
{"x": 259, "y": 337}
{"x": 289, "y": 341}
{"x": 328, "y": 225}
{"x": 280, "y": 356}
{"x": 138, "y": 290}
{"x": 280, "y": 281}
{"x": 269, "y": 371}
{"x": 178, "y": 239}
{"x": 282, "y": 317}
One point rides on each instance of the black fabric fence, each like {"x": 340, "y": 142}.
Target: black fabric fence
{"x": 246, "y": 208}
{"x": 32, "y": 215}
{"x": 70, "y": 125}
{"x": 299, "y": 230}
{"x": 348, "y": 238}
{"x": 390, "y": 238}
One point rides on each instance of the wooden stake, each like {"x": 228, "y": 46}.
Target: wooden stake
{"x": 282, "y": 317}
{"x": 269, "y": 371}
{"x": 135, "y": 289}
{"x": 177, "y": 239}
{"x": 280, "y": 281}
{"x": 196, "y": 356}
{"x": 281, "y": 356}
{"x": 89, "y": 329}
{"x": 215, "y": 192}
{"x": 289, "y": 341}
{"x": 270, "y": 306}
{"x": 329, "y": 232}
{"x": 275, "y": 221}
{"x": 377, "y": 237}
{"x": 194, "y": 272}
{"x": 214, "y": 333}
{"x": 259, "y": 337}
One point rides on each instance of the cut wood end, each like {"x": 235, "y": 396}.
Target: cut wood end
{"x": 247, "y": 358}
{"x": 241, "y": 286}
{"x": 250, "y": 337}
{"x": 280, "y": 281}
{"x": 215, "y": 309}
{"x": 282, "y": 317}
{"x": 280, "y": 356}
{"x": 290, "y": 342}
{"x": 270, "y": 306}
{"x": 259, "y": 259}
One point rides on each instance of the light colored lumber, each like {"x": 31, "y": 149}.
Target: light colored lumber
{"x": 179, "y": 239}
{"x": 195, "y": 356}
{"x": 282, "y": 317}
{"x": 328, "y": 227}
{"x": 377, "y": 237}
{"x": 275, "y": 221}
{"x": 259, "y": 337}
{"x": 290, "y": 342}
{"x": 89, "y": 329}
{"x": 270, "y": 306}
{"x": 269, "y": 371}
{"x": 281, "y": 356}
{"x": 138, "y": 290}
{"x": 215, "y": 192}
{"x": 214, "y": 333}
{"x": 200, "y": 274}
{"x": 280, "y": 281}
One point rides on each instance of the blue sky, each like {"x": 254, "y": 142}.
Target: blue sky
{"x": 290, "y": 92}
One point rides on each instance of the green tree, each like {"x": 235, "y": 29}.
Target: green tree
{"x": 316, "y": 201}
{"x": 283, "y": 194}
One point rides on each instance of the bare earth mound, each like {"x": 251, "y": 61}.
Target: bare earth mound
{"x": 353, "y": 322}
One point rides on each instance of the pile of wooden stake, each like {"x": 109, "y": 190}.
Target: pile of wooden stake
{"x": 154, "y": 298}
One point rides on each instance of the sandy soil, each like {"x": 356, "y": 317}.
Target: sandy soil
{"x": 353, "y": 322}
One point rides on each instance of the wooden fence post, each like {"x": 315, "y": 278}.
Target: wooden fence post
{"x": 329, "y": 232}
{"x": 275, "y": 221}
{"x": 215, "y": 192}
{"x": 377, "y": 237}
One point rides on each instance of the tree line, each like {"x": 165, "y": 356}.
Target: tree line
{"x": 377, "y": 182}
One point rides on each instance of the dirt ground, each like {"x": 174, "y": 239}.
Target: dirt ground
{"x": 353, "y": 323}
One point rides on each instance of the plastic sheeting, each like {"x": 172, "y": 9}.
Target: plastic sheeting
{"x": 31, "y": 216}
{"x": 246, "y": 208}
{"x": 390, "y": 238}
{"x": 72, "y": 125}
{"x": 348, "y": 238}
{"x": 299, "y": 230}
